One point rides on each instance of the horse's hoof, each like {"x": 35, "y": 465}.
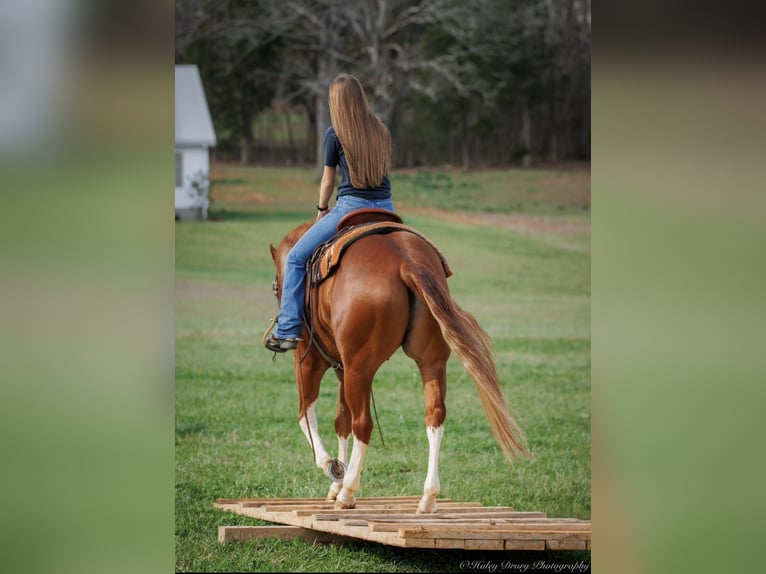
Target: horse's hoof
{"x": 345, "y": 500}
{"x": 427, "y": 505}
{"x": 335, "y": 470}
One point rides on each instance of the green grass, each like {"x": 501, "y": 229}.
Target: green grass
{"x": 236, "y": 423}
{"x": 500, "y": 191}
{"x": 241, "y": 192}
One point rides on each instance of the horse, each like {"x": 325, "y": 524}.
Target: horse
{"x": 389, "y": 291}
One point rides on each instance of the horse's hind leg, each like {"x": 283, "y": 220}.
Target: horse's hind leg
{"x": 429, "y": 350}
{"x": 342, "y": 430}
{"x": 434, "y": 388}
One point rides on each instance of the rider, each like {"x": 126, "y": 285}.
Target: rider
{"x": 360, "y": 144}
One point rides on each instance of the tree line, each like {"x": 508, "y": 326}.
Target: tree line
{"x": 488, "y": 82}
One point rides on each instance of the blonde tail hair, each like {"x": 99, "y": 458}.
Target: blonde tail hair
{"x": 473, "y": 347}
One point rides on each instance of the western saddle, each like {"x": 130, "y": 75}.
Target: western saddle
{"x": 353, "y": 226}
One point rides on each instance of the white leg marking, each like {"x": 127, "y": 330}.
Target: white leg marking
{"x": 321, "y": 457}
{"x": 353, "y": 474}
{"x": 334, "y": 490}
{"x": 431, "y": 487}
{"x": 343, "y": 449}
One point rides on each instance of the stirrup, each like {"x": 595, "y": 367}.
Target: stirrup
{"x": 279, "y": 345}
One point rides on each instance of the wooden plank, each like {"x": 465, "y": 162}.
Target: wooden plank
{"x": 244, "y": 533}
{"x": 489, "y": 517}
{"x": 360, "y": 506}
{"x": 524, "y": 544}
{"x": 265, "y": 500}
{"x": 354, "y": 522}
{"x": 303, "y": 508}
{"x": 505, "y": 527}
{"x": 457, "y": 525}
{"x": 568, "y": 543}
{"x": 452, "y": 543}
{"x": 259, "y": 514}
{"x": 490, "y": 533}
{"x": 367, "y": 513}
{"x": 468, "y": 519}
{"x": 416, "y": 543}
{"x": 377, "y": 526}
{"x": 587, "y": 545}
{"x": 394, "y": 525}
{"x": 330, "y": 505}
{"x": 483, "y": 544}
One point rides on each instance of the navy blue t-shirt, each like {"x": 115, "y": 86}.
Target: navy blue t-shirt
{"x": 334, "y": 157}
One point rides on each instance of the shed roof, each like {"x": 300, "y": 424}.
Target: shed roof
{"x": 193, "y": 123}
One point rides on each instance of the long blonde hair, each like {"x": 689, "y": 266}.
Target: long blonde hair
{"x": 365, "y": 140}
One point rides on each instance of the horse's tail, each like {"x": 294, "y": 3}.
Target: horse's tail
{"x": 473, "y": 347}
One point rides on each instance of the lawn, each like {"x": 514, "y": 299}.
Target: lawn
{"x": 236, "y": 424}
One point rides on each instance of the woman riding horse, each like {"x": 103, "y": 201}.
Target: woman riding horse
{"x": 358, "y": 143}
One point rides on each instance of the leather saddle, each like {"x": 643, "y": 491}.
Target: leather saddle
{"x": 352, "y": 227}
{"x": 368, "y": 215}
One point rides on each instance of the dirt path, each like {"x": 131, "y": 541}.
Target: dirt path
{"x": 525, "y": 224}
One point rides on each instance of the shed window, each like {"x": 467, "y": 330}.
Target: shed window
{"x": 179, "y": 169}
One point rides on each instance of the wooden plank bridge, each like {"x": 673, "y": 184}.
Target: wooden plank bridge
{"x": 393, "y": 521}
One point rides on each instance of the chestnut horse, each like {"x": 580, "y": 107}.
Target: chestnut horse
{"x": 389, "y": 291}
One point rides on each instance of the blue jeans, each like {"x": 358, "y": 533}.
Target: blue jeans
{"x": 290, "y": 323}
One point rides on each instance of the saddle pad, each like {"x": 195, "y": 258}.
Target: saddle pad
{"x": 327, "y": 256}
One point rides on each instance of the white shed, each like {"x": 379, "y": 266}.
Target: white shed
{"x": 194, "y": 138}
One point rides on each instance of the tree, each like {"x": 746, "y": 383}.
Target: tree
{"x": 511, "y": 76}
{"x": 371, "y": 39}
{"x": 235, "y": 53}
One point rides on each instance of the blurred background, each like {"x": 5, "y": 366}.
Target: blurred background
{"x": 86, "y": 289}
